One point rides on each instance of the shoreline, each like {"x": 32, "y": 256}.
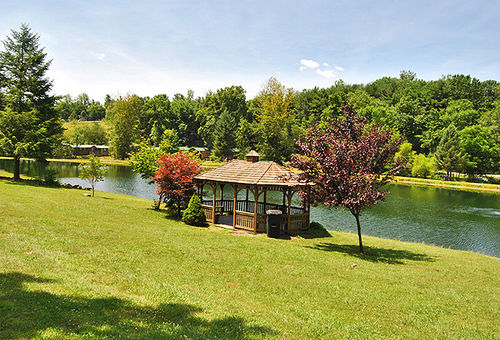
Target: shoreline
{"x": 459, "y": 186}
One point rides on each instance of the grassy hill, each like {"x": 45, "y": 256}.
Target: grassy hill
{"x": 106, "y": 267}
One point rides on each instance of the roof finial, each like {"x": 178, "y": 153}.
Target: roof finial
{"x": 252, "y": 156}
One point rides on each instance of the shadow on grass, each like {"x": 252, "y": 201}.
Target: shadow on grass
{"x": 316, "y": 231}
{"x": 26, "y": 313}
{"x": 374, "y": 254}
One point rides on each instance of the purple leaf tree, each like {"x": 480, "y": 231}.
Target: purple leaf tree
{"x": 348, "y": 162}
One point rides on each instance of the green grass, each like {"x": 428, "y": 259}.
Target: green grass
{"x": 458, "y": 185}
{"x": 107, "y": 267}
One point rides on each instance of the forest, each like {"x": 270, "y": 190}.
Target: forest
{"x": 449, "y": 124}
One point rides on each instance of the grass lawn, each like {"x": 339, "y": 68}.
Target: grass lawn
{"x": 107, "y": 267}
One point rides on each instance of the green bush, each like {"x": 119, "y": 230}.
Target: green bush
{"x": 194, "y": 214}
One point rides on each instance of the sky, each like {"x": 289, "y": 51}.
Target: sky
{"x": 154, "y": 47}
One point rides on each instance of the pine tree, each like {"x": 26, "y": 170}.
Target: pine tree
{"x": 29, "y": 126}
{"x": 448, "y": 155}
{"x": 194, "y": 214}
{"x": 225, "y": 132}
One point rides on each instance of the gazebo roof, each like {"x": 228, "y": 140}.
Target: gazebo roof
{"x": 263, "y": 173}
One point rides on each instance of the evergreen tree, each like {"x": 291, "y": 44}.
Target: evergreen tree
{"x": 224, "y": 135}
{"x": 194, "y": 214}
{"x": 29, "y": 126}
{"x": 448, "y": 154}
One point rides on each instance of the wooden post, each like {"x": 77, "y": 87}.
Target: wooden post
{"x": 308, "y": 203}
{"x": 290, "y": 195}
{"x": 246, "y": 203}
{"x": 222, "y": 192}
{"x": 265, "y": 200}
{"x": 256, "y": 199}
{"x": 235, "y": 202}
{"x": 284, "y": 194}
{"x": 214, "y": 191}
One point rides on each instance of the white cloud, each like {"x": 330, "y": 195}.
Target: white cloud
{"x": 99, "y": 56}
{"x": 308, "y": 63}
{"x": 326, "y": 73}
{"x": 325, "y": 70}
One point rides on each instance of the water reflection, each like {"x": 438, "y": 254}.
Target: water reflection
{"x": 449, "y": 218}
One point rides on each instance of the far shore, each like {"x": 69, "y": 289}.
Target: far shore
{"x": 206, "y": 165}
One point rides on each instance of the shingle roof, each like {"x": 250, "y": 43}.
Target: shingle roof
{"x": 257, "y": 173}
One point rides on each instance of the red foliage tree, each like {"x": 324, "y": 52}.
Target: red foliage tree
{"x": 348, "y": 162}
{"x": 174, "y": 179}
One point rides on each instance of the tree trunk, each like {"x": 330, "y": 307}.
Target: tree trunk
{"x": 17, "y": 165}
{"x": 359, "y": 233}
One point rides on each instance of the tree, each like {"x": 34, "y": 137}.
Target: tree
{"x": 170, "y": 142}
{"x": 405, "y": 156}
{"x": 347, "y": 162}
{"x": 174, "y": 179}
{"x": 145, "y": 160}
{"x": 461, "y": 113}
{"x": 422, "y": 166}
{"x": 225, "y": 135}
{"x": 481, "y": 151}
{"x": 29, "y": 125}
{"x": 448, "y": 154}
{"x": 194, "y": 214}
{"x": 124, "y": 116}
{"x": 275, "y": 122}
{"x": 184, "y": 110}
{"x": 93, "y": 172}
{"x": 229, "y": 99}
{"x": 86, "y": 133}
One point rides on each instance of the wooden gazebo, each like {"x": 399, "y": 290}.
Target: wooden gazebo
{"x": 258, "y": 178}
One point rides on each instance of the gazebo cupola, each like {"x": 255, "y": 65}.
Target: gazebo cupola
{"x": 245, "y": 211}
{"x": 252, "y": 156}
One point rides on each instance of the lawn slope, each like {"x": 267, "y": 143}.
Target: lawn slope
{"x": 106, "y": 267}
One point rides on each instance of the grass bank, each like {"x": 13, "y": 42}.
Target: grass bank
{"x": 77, "y": 267}
{"x": 458, "y": 185}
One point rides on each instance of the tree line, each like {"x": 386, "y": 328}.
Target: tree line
{"x": 451, "y": 123}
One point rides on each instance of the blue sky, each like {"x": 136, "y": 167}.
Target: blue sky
{"x": 148, "y": 47}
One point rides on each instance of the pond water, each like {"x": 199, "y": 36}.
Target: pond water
{"x": 448, "y": 218}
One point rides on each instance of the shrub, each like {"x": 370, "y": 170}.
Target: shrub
{"x": 194, "y": 214}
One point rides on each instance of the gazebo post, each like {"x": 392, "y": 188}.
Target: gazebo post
{"x": 265, "y": 200}
{"x": 235, "y": 203}
{"x": 308, "y": 206}
{"x": 222, "y": 193}
{"x": 256, "y": 202}
{"x": 246, "y": 203}
{"x": 289, "y": 210}
{"x": 284, "y": 194}
{"x": 214, "y": 191}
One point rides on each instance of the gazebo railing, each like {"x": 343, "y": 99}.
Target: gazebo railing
{"x": 249, "y": 206}
{"x": 244, "y": 215}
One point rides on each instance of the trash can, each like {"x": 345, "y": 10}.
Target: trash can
{"x": 273, "y": 223}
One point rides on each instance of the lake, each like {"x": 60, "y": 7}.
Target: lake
{"x": 447, "y": 218}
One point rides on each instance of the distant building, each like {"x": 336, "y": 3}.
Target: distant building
{"x": 84, "y": 150}
{"x": 202, "y": 152}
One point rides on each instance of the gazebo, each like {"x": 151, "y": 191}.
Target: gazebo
{"x": 258, "y": 178}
